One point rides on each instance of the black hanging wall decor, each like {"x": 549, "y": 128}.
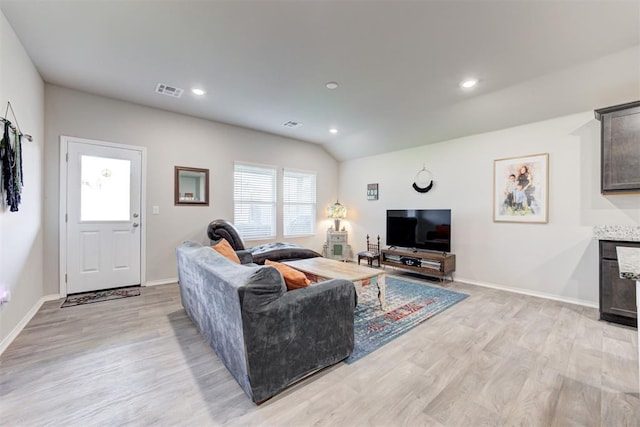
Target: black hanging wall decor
{"x": 423, "y": 181}
{"x": 11, "y": 159}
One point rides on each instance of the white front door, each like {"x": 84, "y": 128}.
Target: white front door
{"x": 103, "y": 216}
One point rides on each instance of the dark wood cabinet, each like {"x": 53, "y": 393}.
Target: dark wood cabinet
{"x": 620, "y": 134}
{"x": 438, "y": 264}
{"x": 617, "y": 296}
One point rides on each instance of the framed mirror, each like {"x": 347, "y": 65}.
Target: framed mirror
{"x": 191, "y": 186}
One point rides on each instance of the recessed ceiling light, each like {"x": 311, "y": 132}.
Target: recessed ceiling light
{"x": 332, "y": 85}
{"x": 333, "y": 130}
{"x": 468, "y": 83}
{"x": 198, "y": 91}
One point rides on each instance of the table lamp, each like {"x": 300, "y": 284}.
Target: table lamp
{"x": 337, "y": 212}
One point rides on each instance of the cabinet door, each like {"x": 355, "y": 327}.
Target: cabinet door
{"x": 621, "y": 151}
{"x": 618, "y": 296}
{"x": 337, "y": 249}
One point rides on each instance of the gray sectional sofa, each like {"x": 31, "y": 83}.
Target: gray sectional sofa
{"x": 266, "y": 336}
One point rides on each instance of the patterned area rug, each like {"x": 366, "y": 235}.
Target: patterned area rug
{"x": 408, "y": 305}
{"x": 99, "y": 296}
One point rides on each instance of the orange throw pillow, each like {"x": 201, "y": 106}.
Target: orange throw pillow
{"x": 293, "y": 278}
{"x": 224, "y": 248}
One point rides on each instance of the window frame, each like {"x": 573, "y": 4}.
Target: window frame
{"x": 313, "y": 226}
{"x": 273, "y": 202}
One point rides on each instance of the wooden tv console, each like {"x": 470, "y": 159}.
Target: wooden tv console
{"x": 438, "y": 264}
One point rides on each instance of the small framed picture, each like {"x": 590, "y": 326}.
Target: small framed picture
{"x": 372, "y": 191}
{"x": 521, "y": 189}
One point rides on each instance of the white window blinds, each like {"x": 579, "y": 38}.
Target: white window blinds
{"x": 254, "y": 197}
{"x": 298, "y": 203}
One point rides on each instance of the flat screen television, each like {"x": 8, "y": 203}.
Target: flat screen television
{"x": 427, "y": 229}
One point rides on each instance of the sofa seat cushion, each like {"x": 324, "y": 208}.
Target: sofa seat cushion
{"x": 280, "y": 251}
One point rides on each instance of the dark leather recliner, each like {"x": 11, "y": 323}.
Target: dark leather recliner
{"x": 281, "y": 251}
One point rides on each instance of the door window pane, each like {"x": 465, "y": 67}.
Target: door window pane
{"x": 105, "y": 189}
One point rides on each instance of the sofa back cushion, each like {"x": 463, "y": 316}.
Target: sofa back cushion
{"x": 263, "y": 281}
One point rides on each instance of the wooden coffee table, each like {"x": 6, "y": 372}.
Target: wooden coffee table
{"x": 319, "y": 269}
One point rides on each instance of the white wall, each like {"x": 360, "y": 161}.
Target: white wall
{"x": 21, "y": 232}
{"x": 558, "y": 259}
{"x": 172, "y": 140}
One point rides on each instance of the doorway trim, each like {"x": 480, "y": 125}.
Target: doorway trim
{"x": 62, "y": 224}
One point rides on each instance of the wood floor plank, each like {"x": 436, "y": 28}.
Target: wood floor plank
{"x": 494, "y": 359}
{"x": 579, "y": 404}
{"x": 535, "y": 405}
{"x": 620, "y": 409}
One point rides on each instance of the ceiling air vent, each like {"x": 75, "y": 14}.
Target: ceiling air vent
{"x": 169, "y": 90}
{"x": 291, "y": 124}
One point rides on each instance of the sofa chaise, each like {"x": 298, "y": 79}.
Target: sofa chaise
{"x": 279, "y": 251}
{"x": 267, "y": 337}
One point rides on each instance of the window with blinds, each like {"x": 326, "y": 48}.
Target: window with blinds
{"x": 254, "y": 201}
{"x": 298, "y": 203}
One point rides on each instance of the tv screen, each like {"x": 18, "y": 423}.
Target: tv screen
{"x": 428, "y": 229}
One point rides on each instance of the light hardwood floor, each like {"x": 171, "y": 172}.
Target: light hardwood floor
{"x": 494, "y": 359}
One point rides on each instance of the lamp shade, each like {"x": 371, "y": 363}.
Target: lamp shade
{"x": 337, "y": 211}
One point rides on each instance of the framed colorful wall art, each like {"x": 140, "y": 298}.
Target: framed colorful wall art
{"x": 521, "y": 189}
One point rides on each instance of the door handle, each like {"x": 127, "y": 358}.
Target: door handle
{"x": 135, "y": 224}
{"x": 135, "y": 215}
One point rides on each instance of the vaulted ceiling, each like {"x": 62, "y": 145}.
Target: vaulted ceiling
{"x": 398, "y": 64}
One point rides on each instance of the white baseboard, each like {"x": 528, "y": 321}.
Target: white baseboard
{"x": 25, "y": 320}
{"x": 528, "y": 292}
{"x": 161, "y": 282}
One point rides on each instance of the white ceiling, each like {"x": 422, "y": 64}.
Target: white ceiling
{"x": 398, "y": 63}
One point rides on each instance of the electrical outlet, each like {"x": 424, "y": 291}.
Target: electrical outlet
{"x": 5, "y": 297}
{"x": 156, "y": 210}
